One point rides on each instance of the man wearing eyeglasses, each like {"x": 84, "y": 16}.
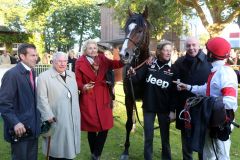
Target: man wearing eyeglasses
{"x": 58, "y": 103}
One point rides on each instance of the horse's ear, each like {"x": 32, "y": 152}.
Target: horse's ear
{"x": 130, "y": 13}
{"x": 145, "y": 12}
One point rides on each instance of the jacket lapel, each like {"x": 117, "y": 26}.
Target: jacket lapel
{"x": 86, "y": 69}
{"x": 100, "y": 70}
{"x": 55, "y": 74}
{"x": 25, "y": 74}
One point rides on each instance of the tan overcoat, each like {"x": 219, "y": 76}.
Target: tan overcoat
{"x": 59, "y": 99}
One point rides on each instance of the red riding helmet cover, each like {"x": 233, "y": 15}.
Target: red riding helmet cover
{"x": 219, "y": 47}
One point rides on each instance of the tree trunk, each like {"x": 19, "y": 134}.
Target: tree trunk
{"x": 81, "y": 35}
{"x": 80, "y": 43}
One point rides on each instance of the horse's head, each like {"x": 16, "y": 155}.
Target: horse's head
{"x": 137, "y": 36}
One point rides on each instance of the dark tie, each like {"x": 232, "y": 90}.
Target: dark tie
{"x": 31, "y": 78}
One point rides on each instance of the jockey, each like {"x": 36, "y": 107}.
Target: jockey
{"x": 222, "y": 81}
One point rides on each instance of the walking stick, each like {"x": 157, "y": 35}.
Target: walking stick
{"x": 48, "y": 147}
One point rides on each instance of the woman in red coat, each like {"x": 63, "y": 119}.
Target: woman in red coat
{"x": 96, "y": 112}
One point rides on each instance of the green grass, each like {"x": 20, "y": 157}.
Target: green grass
{"x": 115, "y": 142}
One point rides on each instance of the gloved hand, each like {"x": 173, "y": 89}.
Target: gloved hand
{"x": 172, "y": 116}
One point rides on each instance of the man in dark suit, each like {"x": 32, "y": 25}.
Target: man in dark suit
{"x": 193, "y": 68}
{"x": 18, "y": 106}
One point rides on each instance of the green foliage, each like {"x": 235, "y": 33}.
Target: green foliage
{"x": 164, "y": 15}
{"x": 64, "y": 23}
{"x": 15, "y": 18}
{"x": 61, "y": 22}
{"x": 221, "y": 13}
{"x": 14, "y": 12}
{"x": 37, "y": 39}
{"x": 14, "y": 38}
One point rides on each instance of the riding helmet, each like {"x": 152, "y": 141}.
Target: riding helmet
{"x": 219, "y": 48}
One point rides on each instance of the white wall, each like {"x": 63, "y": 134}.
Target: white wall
{"x": 3, "y": 69}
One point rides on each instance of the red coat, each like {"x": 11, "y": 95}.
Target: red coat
{"x": 96, "y": 113}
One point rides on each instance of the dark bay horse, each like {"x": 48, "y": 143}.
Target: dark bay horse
{"x": 134, "y": 52}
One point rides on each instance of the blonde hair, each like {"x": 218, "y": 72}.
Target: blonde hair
{"x": 86, "y": 43}
{"x": 71, "y": 51}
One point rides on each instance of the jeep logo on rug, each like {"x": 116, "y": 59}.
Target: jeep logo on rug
{"x": 159, "y": 82}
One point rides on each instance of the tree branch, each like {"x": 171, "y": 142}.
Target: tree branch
{"x": 228, "y": 1}
{"x": 200, "y": 13}
{"x": 232, "y": 16}
{"x": 186, "y": 3}
{"x": 214, "y": 10}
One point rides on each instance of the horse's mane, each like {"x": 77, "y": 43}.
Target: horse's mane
{"x": 138, "y": 19}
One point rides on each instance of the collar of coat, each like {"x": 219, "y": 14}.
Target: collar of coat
{"x": 23, "y": 70}
{"x": 54, "y": 73}
{"x": 201, "y": 56}
{"x": 86, "y": 68}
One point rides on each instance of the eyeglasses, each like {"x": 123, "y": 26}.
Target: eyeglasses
{"x": 60, "y": 62}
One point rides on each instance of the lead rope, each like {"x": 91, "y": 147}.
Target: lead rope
{"x": 190, "y": 102}
{"x": 133, "y": 97}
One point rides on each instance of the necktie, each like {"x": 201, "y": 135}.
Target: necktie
{"x": 31, "y": 78}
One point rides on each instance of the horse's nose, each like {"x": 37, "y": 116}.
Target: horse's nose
{"x": 125, "y": 58}
{"x": 127, "y": 55}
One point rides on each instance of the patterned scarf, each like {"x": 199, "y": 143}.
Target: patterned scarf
{"x": 94, "y": 61}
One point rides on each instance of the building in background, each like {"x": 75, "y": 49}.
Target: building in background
{"x": 111, "y": 32}
{"x": 10, "y": 39}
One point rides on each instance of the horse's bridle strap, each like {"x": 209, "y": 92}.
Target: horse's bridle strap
{"x": 140, "y": 65}
{"x": 132, "y": 41}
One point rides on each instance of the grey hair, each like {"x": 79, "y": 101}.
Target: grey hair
{"x": 163, "y": 43}
{"x": 58, "y": 54}
{"x": 191, "y": 39}
{"x": 87, "y": 42}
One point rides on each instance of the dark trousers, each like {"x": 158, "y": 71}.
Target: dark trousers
{"x": 96, "y": 142}
{"x": 164, "y": 123}
{"x": 53, "y": 158}
{"x": 25, "y": 150}
{"x": 187, "y": 148}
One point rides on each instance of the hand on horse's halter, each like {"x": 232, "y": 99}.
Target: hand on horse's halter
{"x": 150, "y": 59}
{"x": 131, "y": 71}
